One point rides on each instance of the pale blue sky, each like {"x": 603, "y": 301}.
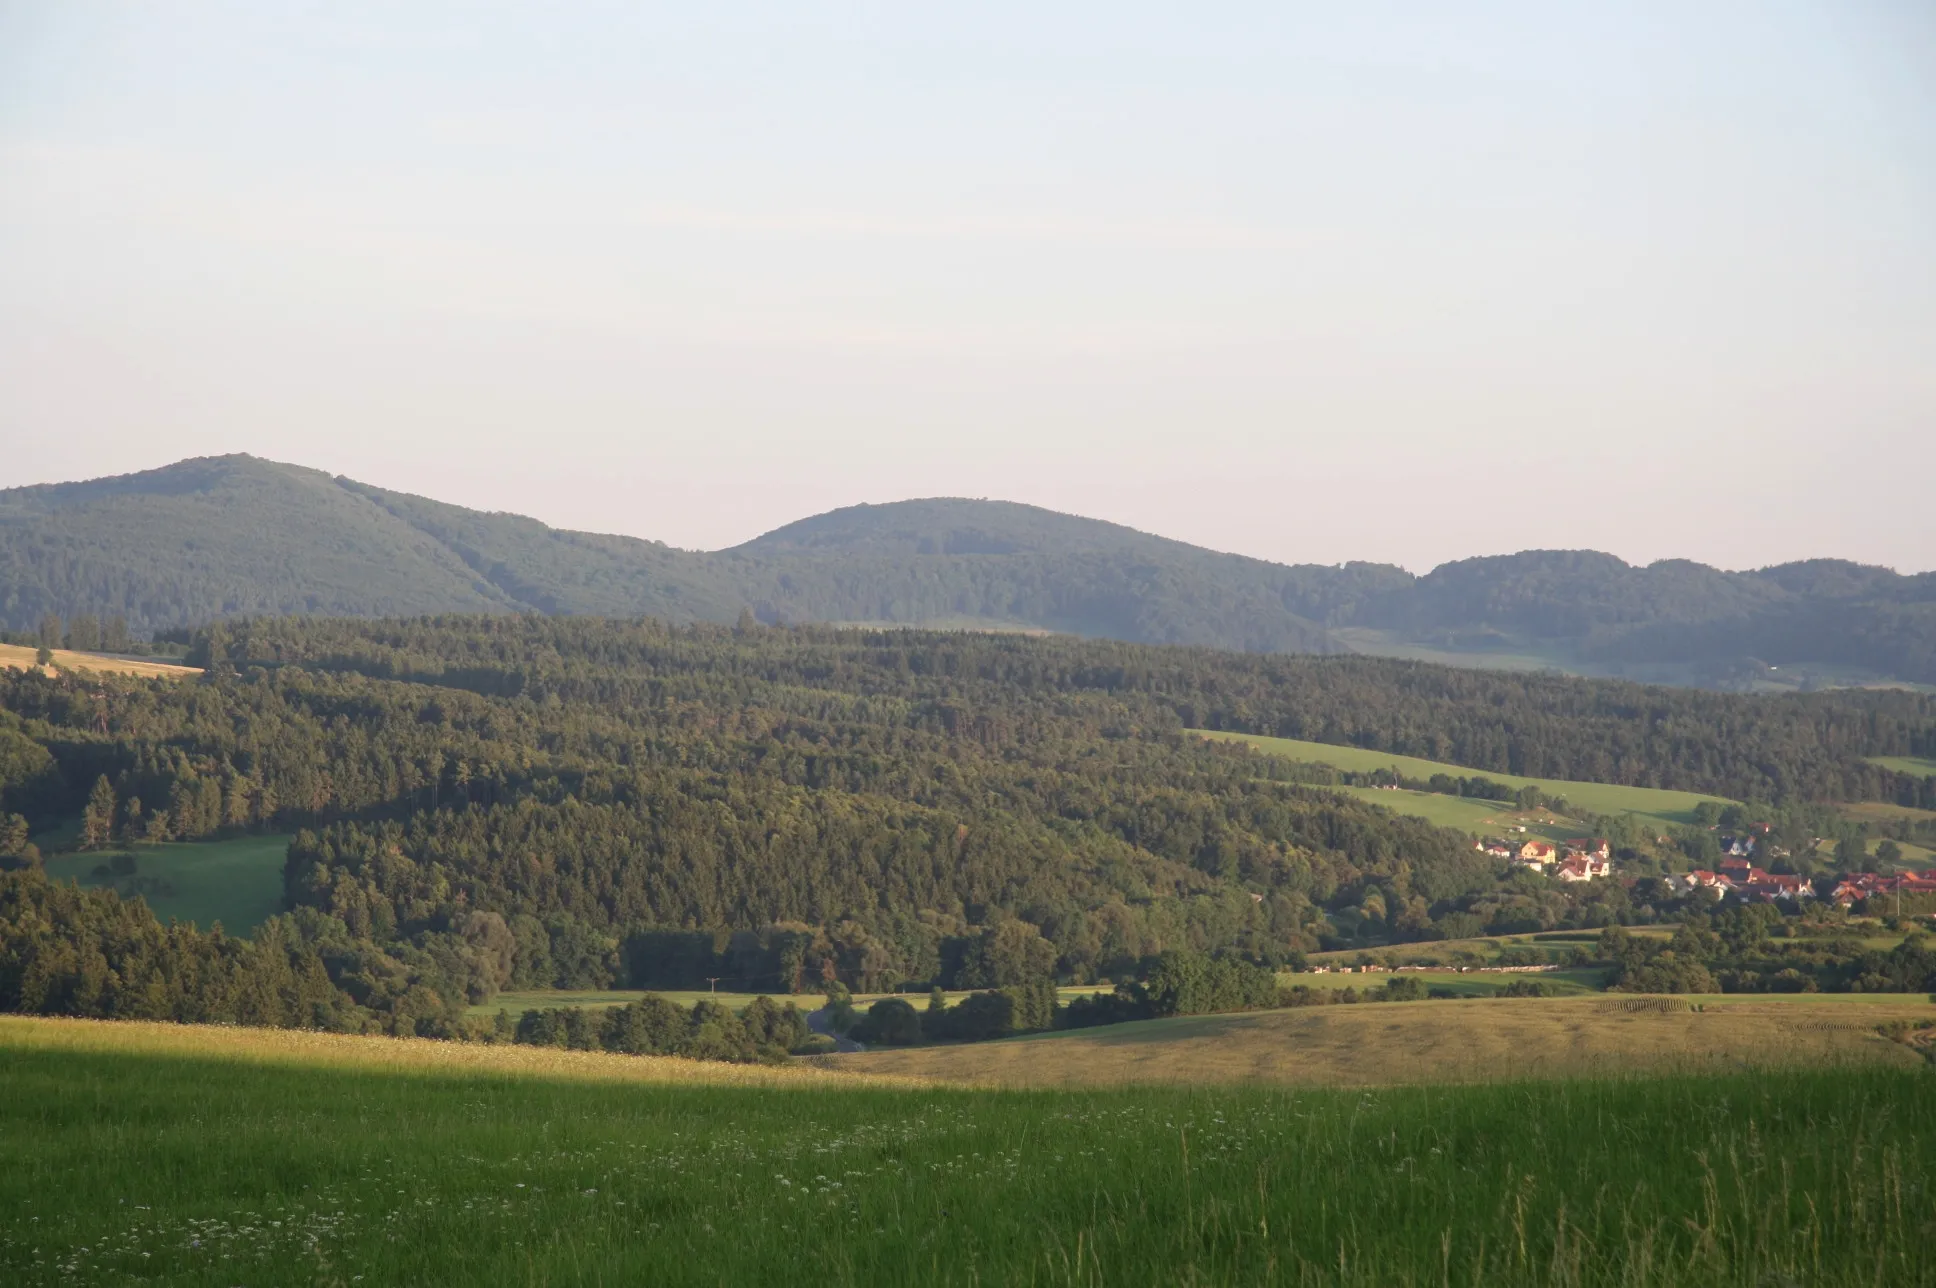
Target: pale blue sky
{"x": 1406, "y": 282}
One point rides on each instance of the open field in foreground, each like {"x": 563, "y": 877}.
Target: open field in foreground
{"x": 1481, "y": 1039}
{"x": 237, "y": 882}
{"x": 16, "y": 655}
{"x": 1599, "y": 798}
{"x": 138, "y": 1161}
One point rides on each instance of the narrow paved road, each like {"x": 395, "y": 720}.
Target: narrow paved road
{"x": 817, "y": 1021}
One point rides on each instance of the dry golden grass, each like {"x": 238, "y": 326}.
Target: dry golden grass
{"x": 396, "y": 1055}
{"x": 1415, "y": 1042}
{"x": 14, "y": 655}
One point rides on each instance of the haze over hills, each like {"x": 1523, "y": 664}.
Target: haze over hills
{"x": 235, "y": 536}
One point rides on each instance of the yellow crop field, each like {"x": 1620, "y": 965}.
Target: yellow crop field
{"x": 346, "y": 1052}
{"x": 1380, "y": 1043}
{"x": 14, "y": 655}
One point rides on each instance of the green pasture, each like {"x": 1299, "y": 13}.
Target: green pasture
{"x": 237, "y": 882}
{"x": 1920, "y": 766}
{"x": 139, "y": 1167}
{"x": 1551, "y": 943}
{"x": 1596, "y": 798}
{"x": 522, "y": 1000}
{"x": 1464, "y": 813}
{"x": 1562, "y": 983}
{"x": 537, "y": 999}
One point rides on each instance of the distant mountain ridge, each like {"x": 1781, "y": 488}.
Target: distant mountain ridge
{"x": 236, "y": 535}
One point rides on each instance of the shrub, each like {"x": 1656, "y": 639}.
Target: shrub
{"x": 890, "y": 1022}
{"x": 1404, "y": 989}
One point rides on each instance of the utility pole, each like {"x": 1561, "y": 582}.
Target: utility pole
{"x": 714, "y": 981}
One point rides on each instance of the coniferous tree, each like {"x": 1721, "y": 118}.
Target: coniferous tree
{"x": 97, "y": 820}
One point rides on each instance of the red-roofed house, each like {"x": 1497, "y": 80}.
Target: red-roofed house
{"x": 1537, "y": 853}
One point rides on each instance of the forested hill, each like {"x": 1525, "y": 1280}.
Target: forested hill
{"x": 236, "y": 536}
{"x": 489, "y": 801}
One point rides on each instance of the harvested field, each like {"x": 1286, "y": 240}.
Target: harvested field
{"x": 347, "y": 1053}
{"x": 16, "y": 655}
{"x": 1381, "y": 1043}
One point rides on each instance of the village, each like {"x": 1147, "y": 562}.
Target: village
{"x": 1736, "y": 874}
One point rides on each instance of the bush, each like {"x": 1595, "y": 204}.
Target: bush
{"x": 1527, "y": 988}
{"x": 1406, "y": 988}
{"x": 889, "y": 1022}
{"x": 1104, "y": 1008}
{"x": 981, "y": 1016}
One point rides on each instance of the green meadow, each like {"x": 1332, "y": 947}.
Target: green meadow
{"x": 237, "y": 882}
{"x": 518, "y": 1001}
{"x": 1561, "y": 983}
{"x": 1596, "y": 798}
{"x": 133, "y": 1164}
{"x": 1921, "y": 766}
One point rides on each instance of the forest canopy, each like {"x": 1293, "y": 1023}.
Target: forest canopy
{"x": 490, "y": 802}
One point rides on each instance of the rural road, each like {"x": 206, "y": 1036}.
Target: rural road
{"x": 817, "y": 1022}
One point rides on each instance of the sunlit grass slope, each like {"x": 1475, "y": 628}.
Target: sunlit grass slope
{"x": 143, "y": 1163}
{"x": 1439, "y": 1041}
{"x": 16, "y": 655}
{"x": 1598, "y": 798}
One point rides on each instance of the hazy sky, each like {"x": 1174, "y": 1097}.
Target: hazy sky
{"x": 1404, "y": 282}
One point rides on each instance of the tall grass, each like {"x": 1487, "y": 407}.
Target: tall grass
{"x": 157, "y": 1164}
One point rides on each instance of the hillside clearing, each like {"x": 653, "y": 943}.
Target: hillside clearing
{"x": 1920, "y": 766}
{"x": 16, "y": 655}
{"x": 237, "y": 881}
{"x": 518, "y": 1001}
{"x": 1656, "y": 803}
{"x": 1378, "y": 1043}
{"x": 1563, "y": 983}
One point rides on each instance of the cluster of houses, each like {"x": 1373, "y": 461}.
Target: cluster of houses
{"x": 1581, "y": 859}
{"x": 1739, "y": 876}
{"x": 1861, "y": 885}
{"x": 1584, "y": 859}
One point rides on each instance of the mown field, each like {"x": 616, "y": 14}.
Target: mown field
{"x": 223, "y": 1157}
{"x": 1563, "y": 983}
{"x": 1598, "y": 798}
{"x": 237, "y": 882}
{"x": 1444, "y": 1041}
{"x": 20, "y": 656}
{"x": 1922, "y": 766}
{"x": 518, "y": 1001}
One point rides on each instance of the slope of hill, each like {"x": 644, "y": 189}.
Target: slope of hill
{"x": 234, "y": 536}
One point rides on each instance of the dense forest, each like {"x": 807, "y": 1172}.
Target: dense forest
{"x": 234, "y": 536}
{"x": 498, "y": 801}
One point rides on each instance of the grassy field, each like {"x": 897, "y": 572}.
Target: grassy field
{"x": 237, "y": 882}
{"x": 1552, "y": 943}
{"x": 1467, "y": 814}
{"x": 198, "y": 1158}
{"x": 1376, "y": 1043}
{"x": 1598, "y": 798}
{"x": 15, "y": 655}
{"x": 599, "y": 998}
{"x": 1921, "y": 766}
{"x": 1564, "y": 983}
